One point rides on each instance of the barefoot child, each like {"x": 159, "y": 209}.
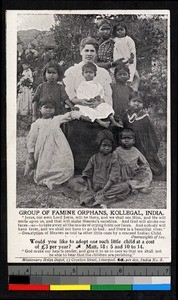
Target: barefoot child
{"x": 134, "y": 168}
{"x": 93, "y": 92}
{"x": 49, "y": 154}
{"x": 102, "y": 172}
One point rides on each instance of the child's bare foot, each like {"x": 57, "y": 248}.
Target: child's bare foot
{"x": 146, "y": 190}
{"x": 76, "y": 108}
{"x": 84, "y": 118}
{"x": 103, "y": 124}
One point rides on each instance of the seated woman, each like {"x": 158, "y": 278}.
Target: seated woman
{"x": 85, "y": 132}
{"x": 73, "y": 76}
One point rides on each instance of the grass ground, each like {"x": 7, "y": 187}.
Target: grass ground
{"x": 29, "y": 195}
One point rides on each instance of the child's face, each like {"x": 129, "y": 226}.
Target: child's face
{"x": 120, "y": 32}
{"x": 106, "y": 147}
{"x": 136, "y": 104}
{"x": 122, "y": 76}
{"x": 89, "y": 74}
{"x": 51, "y": 74}
{"x": 104, "y": 31}
{"x": 47, "y": 111}
{"x": 127, "y": 140}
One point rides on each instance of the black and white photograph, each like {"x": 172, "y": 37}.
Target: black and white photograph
{"x": 88, "y": 135}
{"x": 92, "y": 109}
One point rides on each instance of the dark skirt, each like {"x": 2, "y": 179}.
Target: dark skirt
{"x": 81, "y": 136}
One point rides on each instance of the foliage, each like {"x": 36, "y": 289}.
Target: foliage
{"x": 149, "y": 34}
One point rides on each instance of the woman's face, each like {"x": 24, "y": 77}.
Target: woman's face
{"x": 88, "y": 53}
{"x": 104, "y": 32}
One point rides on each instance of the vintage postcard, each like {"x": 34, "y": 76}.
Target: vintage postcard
{"x": 88, "y": 136}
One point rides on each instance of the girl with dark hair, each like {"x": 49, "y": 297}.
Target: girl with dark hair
{"x": 49, "y": 158}
{"x": 124, "y": 48}
{"x": 102, "y": 172}
{"x": 134, "y": 168}
{"x": 146, "y": 139}
{"x": 50, "y": 88}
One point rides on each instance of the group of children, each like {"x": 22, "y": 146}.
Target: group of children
{"x": 113, "y": 172}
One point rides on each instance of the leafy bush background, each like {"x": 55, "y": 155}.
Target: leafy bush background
{"x": 149, "y": 34}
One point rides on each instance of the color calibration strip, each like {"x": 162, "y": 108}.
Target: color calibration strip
{"x": 85, "y": 287}
{"x": 89, "y": 278}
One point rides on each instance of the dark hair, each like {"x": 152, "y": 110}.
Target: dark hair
{"x": 102, "y": 22}
{"x": 91, "y": 66}
{"x": 52, "y": 64}
{"x": 121, "y": 67}
{"x": 136, "y": 94}
{"x": 89, "y": 41}
{"x": 127, "y": 130}
{"x": 47, "y": 100}
{"x": 103, "y": 135}
{"x": 119, "y": 25}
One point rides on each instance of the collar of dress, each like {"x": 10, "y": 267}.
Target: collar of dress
{"x": 135, "y": 117}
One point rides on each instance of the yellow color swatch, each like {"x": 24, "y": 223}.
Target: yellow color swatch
{"x": 70, "y": 287}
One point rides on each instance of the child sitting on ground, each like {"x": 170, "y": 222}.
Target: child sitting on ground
{"x": 101, "y": 173}
{"x": 49, "y": 155}
{"x": 134, "y": 168}
{"x": 93, "y": 92}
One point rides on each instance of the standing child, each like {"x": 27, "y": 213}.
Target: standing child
{"x": 120, "y": 91}
{"x": 102, "y": 172}
{"x": 49, "y": 154}
{"x": 51, "y": 89}
{"x": 146, "y": 139}
{"x": 24, "y": 99}
{"x": 124, "y": 48}
{"x": 120, "y": 95}
{"x": 134, "y": 168}
{"x": 93, "y": 92}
